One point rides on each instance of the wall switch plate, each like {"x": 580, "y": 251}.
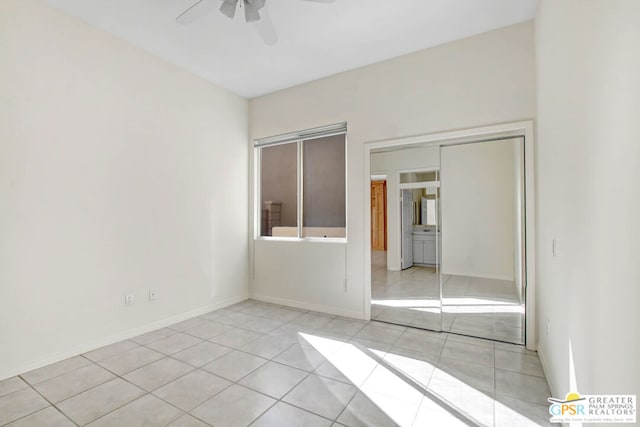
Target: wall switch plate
{"x": 153, "y": 294}
{"x": 128, "y": 299}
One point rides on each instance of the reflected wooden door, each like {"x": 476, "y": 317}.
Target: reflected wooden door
{"x": 379, "y": 215}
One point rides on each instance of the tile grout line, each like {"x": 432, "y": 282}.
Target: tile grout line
{"x": 129, "y": 382}
{"x": 363, "y": 382}
{"x": 307, "y": 410}
{"x": 51, "y": 405}
{"x": 204, "y": 370}
{"x": 91, "y": 362}
{"x": 262, "y": 393}
{"x": 314, "y": 329}
{"x": 335, "y": 420}
{"x": 146, "y": 393}
{"x": 82, "y": 391}
{"x": 440, "y": 353}
{"x": 281, "y": 399}
{"x": 59, "y": 375}
{"x": 189, "y": 412}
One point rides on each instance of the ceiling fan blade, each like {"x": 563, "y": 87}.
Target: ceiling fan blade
{"x": 265, "y": 29}
{"x": 198, "y": 10}
{"x": 228, "y": 8}
{"x": 258, "y": 4}
{"x": 251, "y": 13}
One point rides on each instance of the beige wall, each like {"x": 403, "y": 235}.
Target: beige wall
{"x": 481, "y": 80}
{"x": 588, "y": 184}
{"x": 118, "y": 172}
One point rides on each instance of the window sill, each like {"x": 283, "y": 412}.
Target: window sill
{"x": 303, "y": 239}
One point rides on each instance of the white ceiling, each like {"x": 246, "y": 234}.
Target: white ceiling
{"x": 315, "y": 39}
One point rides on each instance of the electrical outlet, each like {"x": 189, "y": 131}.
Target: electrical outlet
{"x": 153, "y": 294}
{"x": 128, "y": 299}
{"x": 548, "y": 329}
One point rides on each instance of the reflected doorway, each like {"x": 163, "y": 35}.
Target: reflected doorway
{"x": 379, "y": 214}
{"x": 405, "y": 281}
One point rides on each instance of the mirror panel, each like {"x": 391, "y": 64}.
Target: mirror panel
{"x": 482, "y": 239}
{"x": 405, "y": 278}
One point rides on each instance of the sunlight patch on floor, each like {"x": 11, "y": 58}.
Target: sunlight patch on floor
{"x": 479, "y": 305}
{"x": 407, "y": 303}
{"x": 406, "y": 400}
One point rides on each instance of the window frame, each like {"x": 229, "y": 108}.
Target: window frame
{"x": 298, "y": 138}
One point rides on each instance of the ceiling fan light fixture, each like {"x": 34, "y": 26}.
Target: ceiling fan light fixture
{"x": 228, "y": 8}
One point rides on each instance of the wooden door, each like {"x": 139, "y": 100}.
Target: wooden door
{"x": 379, "y": 215}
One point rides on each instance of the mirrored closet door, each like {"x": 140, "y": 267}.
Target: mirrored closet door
{"x": 451, "y": 256}
{"x": 482, "y": 247}
{"x": 405, "y": 275}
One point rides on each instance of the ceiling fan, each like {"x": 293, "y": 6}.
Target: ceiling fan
{"x": 254, "y": 12}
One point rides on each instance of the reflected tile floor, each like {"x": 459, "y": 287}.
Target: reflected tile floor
{"x": 470, "y": 306}
{"x": 486, "y": 308}
{"x": 266, "y": 365}
{"x": 410, "y": 297}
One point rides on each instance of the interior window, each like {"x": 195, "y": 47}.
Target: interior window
{"x": 324, "y": 190}
{"x": 279, "y": 190}
{"x": 303, "y": 185}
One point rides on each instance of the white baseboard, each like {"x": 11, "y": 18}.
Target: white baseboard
{"x": 550, "y": 382}
{"x": 481, "y": 276}
{"x": 98, "y": 343}
{"x": 311, "y": 307}
{"x": 545, "y": 369}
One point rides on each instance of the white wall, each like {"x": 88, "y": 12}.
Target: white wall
{"x": 290, "y": 283}
{"x": 481, "y": 80}
{"x": 477, "y": 193}
{"x": 392, "y": 163}
{"x": 118, "y": 172}
{"x": 589, "y": 194}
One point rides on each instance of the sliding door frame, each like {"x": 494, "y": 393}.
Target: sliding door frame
{"x": 522, "y": 129}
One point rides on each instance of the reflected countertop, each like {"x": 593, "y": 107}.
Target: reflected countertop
{"x": 424, "y": 230}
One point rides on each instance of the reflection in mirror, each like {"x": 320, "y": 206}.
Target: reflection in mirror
{"x": 453, "y": 252}
{"x": 404, "y": 277}
{"x": 482, "y": 239}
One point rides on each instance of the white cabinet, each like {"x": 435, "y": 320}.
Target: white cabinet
{"x": 424, "y": 248}
{"x": 418, "y": 251}
{"x": 430, "y": 251}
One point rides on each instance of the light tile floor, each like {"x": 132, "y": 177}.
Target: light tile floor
{"x": 469, "y": 306}
{"x": 266, "y": 365}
